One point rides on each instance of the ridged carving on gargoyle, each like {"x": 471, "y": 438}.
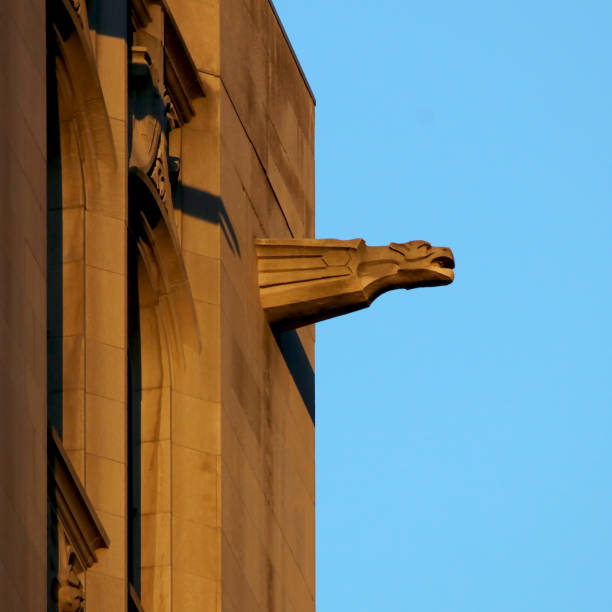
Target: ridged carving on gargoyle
{"x": 303, "y": 281}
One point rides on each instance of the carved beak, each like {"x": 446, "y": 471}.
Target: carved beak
{"x": 442, "y": 264}
{"x": 444, "y": 261}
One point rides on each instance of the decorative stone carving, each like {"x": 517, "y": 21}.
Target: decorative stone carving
{"x": 152, "y": 120}
{"x": 303, "y": 281}
{"x": 163, "y": 83}
{"x": 68, "y": 591}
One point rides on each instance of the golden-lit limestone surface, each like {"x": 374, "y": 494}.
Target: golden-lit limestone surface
{"x": 243, "y": 517}
{"x": 303, "y": 281}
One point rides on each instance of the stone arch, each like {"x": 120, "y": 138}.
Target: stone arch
{"x": 155, "y": 231}
{"x": 82, "y": 176}
{"x": 84, "y": 120}
{"x": 161, "y": 319}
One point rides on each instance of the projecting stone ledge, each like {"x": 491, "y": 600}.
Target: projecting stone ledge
{"x": 303, "y": 281}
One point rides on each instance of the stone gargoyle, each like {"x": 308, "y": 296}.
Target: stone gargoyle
{"x": 303, "y": 281}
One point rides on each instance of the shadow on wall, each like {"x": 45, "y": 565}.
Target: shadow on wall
{"x": 55, "y": 235}
{"x": 208, "y": 207}
{"x": 107, "y": 22}
{"x": 298, "y": 363}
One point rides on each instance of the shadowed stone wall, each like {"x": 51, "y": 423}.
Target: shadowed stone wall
{"x": 23, "y": 324}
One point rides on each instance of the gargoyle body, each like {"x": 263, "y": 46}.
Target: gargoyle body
{"x": 303, "y": 281}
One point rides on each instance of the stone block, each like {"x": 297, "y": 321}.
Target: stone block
{"x": 105, "y": 427}
{"x": 73, "y": 407}
{"x": 234, "y": 316}
{"x": 105, "y": 482}
{"x": 196, "y": 549}
{"x": 198, "y": 378}
{"x": 195, "y": 594}
{"x": 208, "y": 316}
{"x": 73, "y": 352}
{"x": 233, "y": 415}
{"x": 71, "y": 221}
{"x": 201, "y": 228}
{"x": 204, "y": 276}
{"x": 34, "y": 225}
{"x": 156, "y": 588}
{"x": 194, "y": 485}
{"x": 112, "y": 560}
{"x": 248, "y": 547}
{"x": 153, "y": 350}
{"x": 73, "y": 303}
{"x": 105, "y": 592}
{"x": 244, "y": 69}
{"x": 105, "y": 309}
{"x": 105, "y": 245}
{"x": 287, "y": 189}
{"x": 111, "y": 58}
{"x": 236, "y": 589}
{"x": 155, "y": 410}
{"x": 106, "y": 371}
{"x": 243, "y": 497}
{"x": 287, "y": 85}
{"x": 156, "y": 477}
{"x": 303, "y": 599}
{"x": 198, "y": 21}
{"x": 299, "y": 450}
{"x": 196, "y": 423}
{"x": 156, "y": 546}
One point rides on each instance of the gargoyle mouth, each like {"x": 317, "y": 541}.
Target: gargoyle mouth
{"x": 444, "y": 262}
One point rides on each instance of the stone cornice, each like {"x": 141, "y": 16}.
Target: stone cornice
{"x": 182, "y": 78}
{"x": 74, "y": 508}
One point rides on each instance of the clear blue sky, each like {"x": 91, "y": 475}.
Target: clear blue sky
{"x": 464, "y": 433}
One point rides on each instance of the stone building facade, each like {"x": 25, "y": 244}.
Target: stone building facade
{"x": 157, "y": 439}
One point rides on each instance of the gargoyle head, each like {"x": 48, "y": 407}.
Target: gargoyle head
{"x": 422, "y": 265}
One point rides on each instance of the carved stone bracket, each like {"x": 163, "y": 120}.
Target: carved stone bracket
{"x": 303, "y": 281}
{"x": 163, "y": 84}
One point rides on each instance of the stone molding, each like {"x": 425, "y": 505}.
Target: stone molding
{"x": 302, "y": 281}
{"x": 75, "y": 511}
{"x": 180, "y": 80}
{"x": 140, "y": 14}
{"x": 135, "y": 600}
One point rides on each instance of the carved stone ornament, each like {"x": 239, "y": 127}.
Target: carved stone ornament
{"x": 152, "y": 120}
{"x": 163, "y": 82}
{"x": 303, "y": 281}
{"x": 68, "y": 591}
